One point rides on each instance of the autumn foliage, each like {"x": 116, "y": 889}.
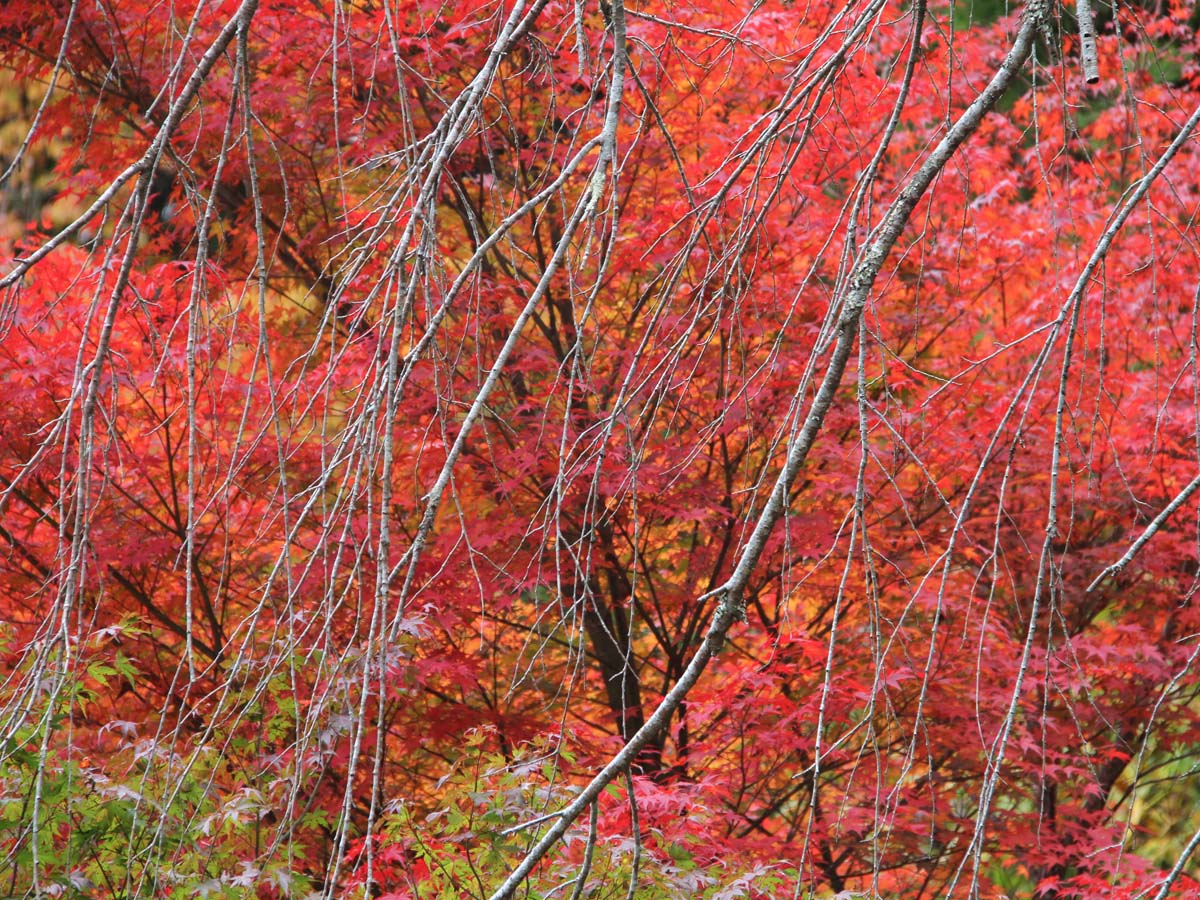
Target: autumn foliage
{"x": 389, "y": 392}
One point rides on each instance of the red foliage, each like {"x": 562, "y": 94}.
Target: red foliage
{"x": 250, "y": 514}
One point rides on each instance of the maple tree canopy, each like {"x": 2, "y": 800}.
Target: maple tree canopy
{"x": 530, "y": 448}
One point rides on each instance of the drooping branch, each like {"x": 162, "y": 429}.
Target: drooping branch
{"x": 144, "y": 168}
{"x": 731, "y": 608}
{"x": 1151, "y": 529}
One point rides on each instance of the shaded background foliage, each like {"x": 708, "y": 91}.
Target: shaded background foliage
{"x": 289, "y": 610}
